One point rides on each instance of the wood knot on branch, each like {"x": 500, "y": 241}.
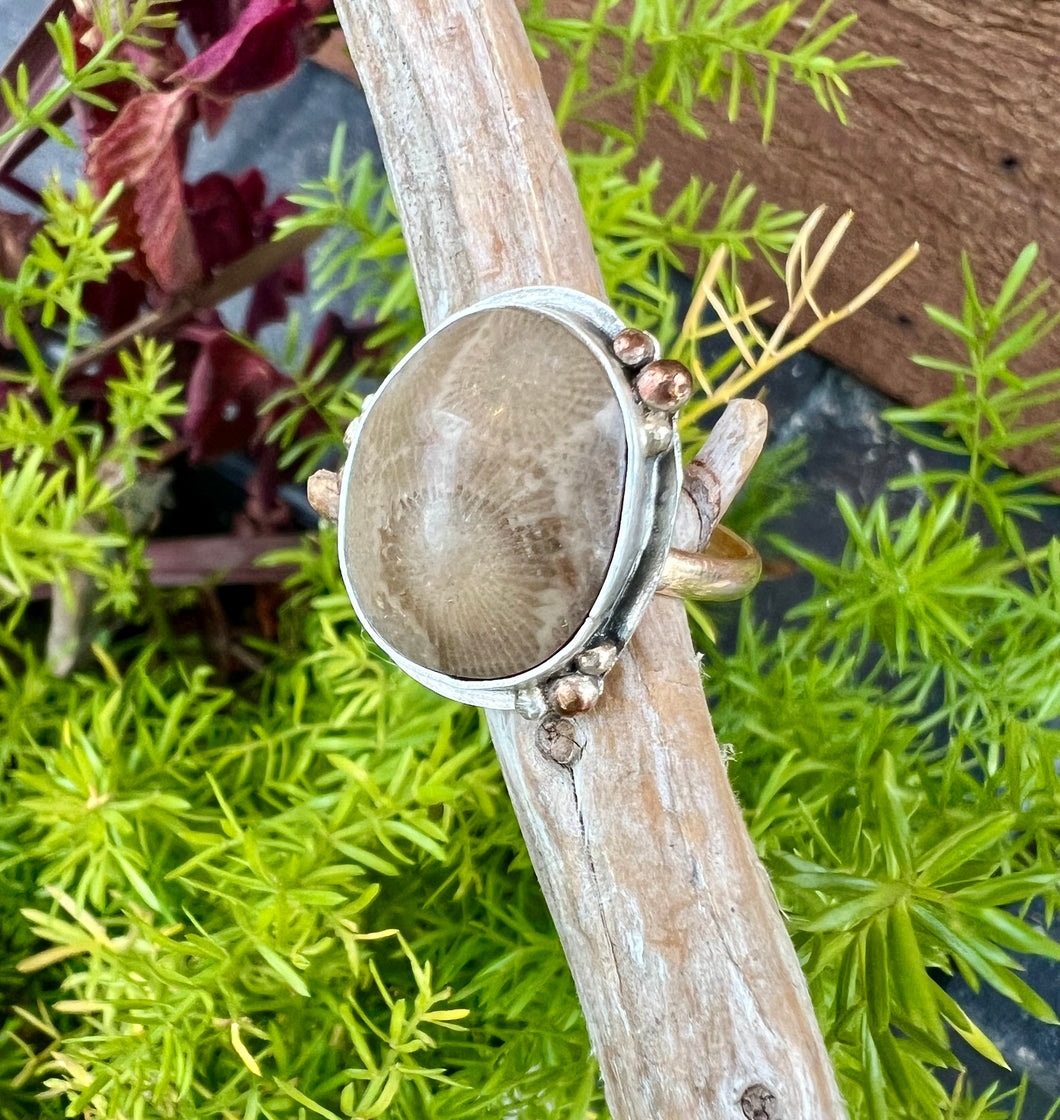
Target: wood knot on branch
{"x": 758, "y": 1103}
{"x": 557, "y": 739}
{"x": 702, "y": 485}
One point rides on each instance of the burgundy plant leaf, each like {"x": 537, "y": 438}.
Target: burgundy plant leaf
{"x": 115, "y": 302}
{"x": 251, "y": 186}
{"x": 265, "y": 511}
{"x": 112, "y": 304}
{"x": 353, "y": 339}
{"x": 209, "y": 20}
{"x": 353, "y": 336}
{"x": 268, "y": 304}
{"x": 228, "y": 385}
{"x": 269, "y": 301}
{"x": 263, "y": 48}
{"x": 229, "y": 218}
{"x": 212, "y": 113}
{"x": 144, "y": 149}
{"x": 16, "y": 232}
{"x": 224, "y": 214}
{"x": 280, "y": 207}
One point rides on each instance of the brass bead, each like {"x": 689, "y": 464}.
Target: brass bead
{"x": 573, "y": 694}
{"x": 665, "y": 385}
{"x": 633, "y": 348}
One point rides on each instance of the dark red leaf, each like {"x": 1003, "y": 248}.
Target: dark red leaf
{"x": 269, "y": 301}
{"x": 265, "y": 511}
{"x": 353, "y": 336}
{"x": 209, "y": 20}
{"x": 280, "y": 207}
{"x": 353, "y": 348}
{"x": 262, "y": 48}
{"x": 16, "y": 232}
{"x": 229, "y": 217}
{"x": 144, "y": 149}
{"x": 212, "y": 113}
{"x": 116, "y": 302}
{"x": 228, "y": 385}
{"x": 225, "y": 214}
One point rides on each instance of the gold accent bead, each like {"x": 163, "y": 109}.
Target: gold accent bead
{"x": 573, "y": 694}
{"x": 665, "y": 385}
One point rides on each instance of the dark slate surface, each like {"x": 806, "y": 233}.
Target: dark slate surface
{"x": 287, "y": 133}
{"x": 849, "y": 448}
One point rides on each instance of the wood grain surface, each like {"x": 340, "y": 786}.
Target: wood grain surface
{"x": 956, "y": 148}
{"x": 691, "y": 988}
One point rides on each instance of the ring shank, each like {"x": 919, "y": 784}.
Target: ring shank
{"x": 728, "y": 568}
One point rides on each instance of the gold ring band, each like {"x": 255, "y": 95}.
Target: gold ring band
{"x": 728, "y": 568}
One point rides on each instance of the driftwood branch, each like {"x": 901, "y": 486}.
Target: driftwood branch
{"x": 691, "y": 988}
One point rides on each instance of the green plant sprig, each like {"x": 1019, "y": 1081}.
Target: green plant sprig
{"x": 63, "y": 491}
{"x": 904, "y": 789}
{"x": 987, "y": 416}
{"x": 118, "y": 23}
{"x": 672, "y": 53}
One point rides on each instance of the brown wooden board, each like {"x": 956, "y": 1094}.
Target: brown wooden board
{"x": 956, "y": 148}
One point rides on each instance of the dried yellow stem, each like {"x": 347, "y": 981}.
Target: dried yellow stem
{"x": 744, "y": 332}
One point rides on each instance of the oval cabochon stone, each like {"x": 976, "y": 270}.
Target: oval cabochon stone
{"x": 485, "y": 494}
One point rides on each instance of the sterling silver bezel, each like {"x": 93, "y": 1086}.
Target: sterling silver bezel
{"x": 648, "y": 508}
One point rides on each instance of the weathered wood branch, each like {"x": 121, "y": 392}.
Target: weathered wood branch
{"x": 691, "y": 988}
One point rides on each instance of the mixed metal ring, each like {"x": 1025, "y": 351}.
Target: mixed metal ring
{"x": 508, "y": 502}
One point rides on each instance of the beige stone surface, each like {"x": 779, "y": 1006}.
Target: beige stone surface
{"x": 483, "y": 504}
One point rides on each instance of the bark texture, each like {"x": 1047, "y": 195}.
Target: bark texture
{"x": 691, "y": 988}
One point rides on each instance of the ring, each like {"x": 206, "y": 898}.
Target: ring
{"x": 728, "y": 568}
{"x": 508, "y": 501}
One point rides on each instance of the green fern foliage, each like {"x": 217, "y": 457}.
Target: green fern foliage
{"x": 119, "y": 23}
{"x": 224, "y": 877}
{"x": 670, "y": 54}
{"x": 904, "y": 790}
{"x": 301, "y": 891}
{"x": 61, "y": 497}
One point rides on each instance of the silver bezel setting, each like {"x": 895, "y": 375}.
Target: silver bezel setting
{"x": 648, "y": 508}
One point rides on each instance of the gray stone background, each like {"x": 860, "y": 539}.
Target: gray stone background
{"x": 287, "y": 133}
